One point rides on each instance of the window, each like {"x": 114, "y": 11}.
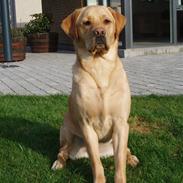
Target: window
{"x": 92, "y": 2}
{"x": 95, "y": 2}
{"x": 180, "y": 2}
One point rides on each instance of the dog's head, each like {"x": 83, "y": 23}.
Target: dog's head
{"x": 95, "y": 28}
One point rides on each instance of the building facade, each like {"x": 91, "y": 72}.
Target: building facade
{"x": 148, "y": 21}
{"x": 152, "y": 21}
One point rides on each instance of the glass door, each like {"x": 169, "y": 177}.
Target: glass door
{"x": 151, "y": 21}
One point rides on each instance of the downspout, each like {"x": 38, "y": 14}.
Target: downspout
{"x": 6, "y": 32}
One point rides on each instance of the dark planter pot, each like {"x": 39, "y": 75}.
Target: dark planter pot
{"x": 43, "y": 42}
{"x": 18, "y": 49}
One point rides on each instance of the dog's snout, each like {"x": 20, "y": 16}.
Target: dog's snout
{"x": 99, "y": 32}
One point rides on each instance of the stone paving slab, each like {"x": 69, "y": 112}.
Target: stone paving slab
{"x": 51, "y": 73}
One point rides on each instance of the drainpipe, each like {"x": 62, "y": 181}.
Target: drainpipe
{"x": 6, "y": 32}
{"x": 13, "y": 13}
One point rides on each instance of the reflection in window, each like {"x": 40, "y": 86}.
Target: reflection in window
{"x": 180, "y": 2}
{"x": 92, "y": 2}
{"x": 95, "y": 2}
{"x": 116, "y": 5}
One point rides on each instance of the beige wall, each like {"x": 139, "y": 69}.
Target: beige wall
{"x": 25, "y": 8}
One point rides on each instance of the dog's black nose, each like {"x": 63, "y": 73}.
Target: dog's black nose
{"x": 100, "y": 40}
{"x": 99, "y": 32}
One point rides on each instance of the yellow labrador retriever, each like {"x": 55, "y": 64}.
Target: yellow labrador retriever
{"x": 99, "y": 105}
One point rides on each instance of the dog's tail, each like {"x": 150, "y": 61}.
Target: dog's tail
{"x": 78, "y": 149}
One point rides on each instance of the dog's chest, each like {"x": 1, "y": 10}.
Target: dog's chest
{"x": 95, "y": 110}
{"x": 100, "y": 71}
{"x": 93, "y": 93}
{"x": 103, "y": 127}
{"x": 93, "y": 106}
{"x": 101, "y": 74}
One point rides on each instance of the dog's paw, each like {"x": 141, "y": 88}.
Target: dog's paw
{"x": 57, "y": 165}
{"x": 132, "y": 160}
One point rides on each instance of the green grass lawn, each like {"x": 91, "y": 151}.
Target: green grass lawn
{"x": 29, "y": 141}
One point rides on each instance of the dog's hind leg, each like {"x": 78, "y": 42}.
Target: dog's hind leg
{"x": 132, "y": 160}
{"x": 66, "y": 138}
{"x": 106, "y": 150}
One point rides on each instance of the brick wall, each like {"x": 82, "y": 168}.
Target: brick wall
{"x": 58, "y": 10}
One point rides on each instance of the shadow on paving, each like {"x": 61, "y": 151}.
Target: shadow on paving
{"x": 7, "y": 65}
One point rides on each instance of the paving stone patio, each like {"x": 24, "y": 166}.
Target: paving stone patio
{"x": 51, "y": 73}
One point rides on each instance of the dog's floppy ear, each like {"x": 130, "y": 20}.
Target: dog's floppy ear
{"x": 69, "y": 24}
{"x": 119, "y": 19}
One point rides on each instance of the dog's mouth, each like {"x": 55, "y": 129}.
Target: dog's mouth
{"x": 99, "y": 45}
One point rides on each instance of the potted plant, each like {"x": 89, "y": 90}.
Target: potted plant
{"x": 18, "y": 45}
{"x": 39, "y": 36}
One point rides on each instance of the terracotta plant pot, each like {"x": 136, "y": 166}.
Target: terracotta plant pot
{"x": 18, "y": 49}
{"x": 43, "y": 42}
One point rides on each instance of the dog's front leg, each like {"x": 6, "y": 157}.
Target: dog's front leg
{"x": 120, "y": 141}
{"x": 91, "y": 140}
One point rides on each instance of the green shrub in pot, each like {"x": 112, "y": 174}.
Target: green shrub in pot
{"x": 40, "y": 38}
{"x": 18, "y": 45}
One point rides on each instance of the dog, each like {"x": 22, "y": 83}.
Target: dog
{"x": 99, "y": 104}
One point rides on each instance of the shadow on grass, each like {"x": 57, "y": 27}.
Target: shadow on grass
{"x": 42, "y": 138}
{"x": 82, "y": 168}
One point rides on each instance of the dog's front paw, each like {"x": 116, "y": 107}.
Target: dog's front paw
{"x": 132, "y": 160}
{"x": 57, "y": 165}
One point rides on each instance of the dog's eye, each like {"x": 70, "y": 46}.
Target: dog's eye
{"x": 107, "y": 21}
{"x": 87, "y": 23}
